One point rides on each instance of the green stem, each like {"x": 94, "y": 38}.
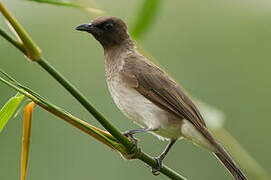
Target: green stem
{"x": 15, "y": 43}
{"x": 32, "y": 50}
{"x": 165, "y": 170}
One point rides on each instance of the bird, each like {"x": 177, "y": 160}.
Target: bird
{"x": 147, "y": 95}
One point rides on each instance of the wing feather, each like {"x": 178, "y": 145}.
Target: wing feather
{"x": 155, "y": 85}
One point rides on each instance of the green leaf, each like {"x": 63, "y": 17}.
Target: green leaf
{"x": 60, "y": 3}
{"x": 21, "y": 108}
{"x": 9, "y": 108}
{"x": 70, "y": 4}
{"x": 146, "y": 17}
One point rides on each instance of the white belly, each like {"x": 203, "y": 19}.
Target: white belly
{"x": 142, "y": 111}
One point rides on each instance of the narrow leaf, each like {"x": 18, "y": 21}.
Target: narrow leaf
{"x": 9, "y": 108}
{"x": 60, "y": 3}
{"x": 26, "y": 138}
{"x": 146, "y": 16}
{"x": 70, "y": 4}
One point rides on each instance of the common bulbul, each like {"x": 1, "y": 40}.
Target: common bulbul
{"x": 149, "y": 96}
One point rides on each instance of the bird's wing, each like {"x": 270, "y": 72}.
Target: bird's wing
{"x": 159, "y": 88}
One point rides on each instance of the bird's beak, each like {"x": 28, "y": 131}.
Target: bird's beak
{"x": 90, "y": 29}
{"x": 85, "y": 27}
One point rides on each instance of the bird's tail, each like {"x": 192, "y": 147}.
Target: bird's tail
{"x": 228, "y": 162}
{"x": 231, "y": 166}
{"x": 224, "y": 157}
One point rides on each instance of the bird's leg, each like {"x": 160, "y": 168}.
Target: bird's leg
{"x": 159, "y": 159}
{"x": 130, "y": 134}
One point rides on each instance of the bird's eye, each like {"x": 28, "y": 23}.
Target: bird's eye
{"x": 108, "y": 26}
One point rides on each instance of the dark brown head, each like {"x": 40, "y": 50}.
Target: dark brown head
{"x": 109, "y": 31}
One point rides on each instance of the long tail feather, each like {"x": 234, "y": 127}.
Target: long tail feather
{"x": 224, "y": 157}
{"x": 231, "y": 166}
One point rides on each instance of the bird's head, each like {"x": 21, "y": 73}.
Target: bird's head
{"x": 109, "y": 31}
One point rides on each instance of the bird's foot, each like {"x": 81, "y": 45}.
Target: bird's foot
{"x": 156, "y": 171}
{"x": 129, "y": 134}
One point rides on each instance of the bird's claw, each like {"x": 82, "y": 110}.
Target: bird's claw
{"x": 156, "y": 171}
{"x": 131, "y": 137}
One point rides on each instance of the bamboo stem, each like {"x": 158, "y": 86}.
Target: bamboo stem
{"x": 32, "y": 50}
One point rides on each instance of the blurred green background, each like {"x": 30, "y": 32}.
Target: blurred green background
{"x": 218, "y": 50}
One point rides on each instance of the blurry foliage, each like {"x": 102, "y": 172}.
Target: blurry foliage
{"x": 145, "y": 17}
